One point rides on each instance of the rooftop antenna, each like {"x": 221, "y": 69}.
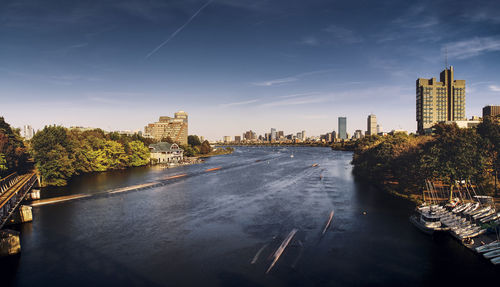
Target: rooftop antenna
{"x": 445, "y": 58}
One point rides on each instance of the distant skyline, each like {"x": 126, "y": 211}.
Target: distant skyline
{"x": 240, "y": 65}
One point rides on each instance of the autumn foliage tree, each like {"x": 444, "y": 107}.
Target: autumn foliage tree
{"x": 13, "y": 156}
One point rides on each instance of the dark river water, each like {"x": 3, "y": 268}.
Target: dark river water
{"x": 204, "y": 229}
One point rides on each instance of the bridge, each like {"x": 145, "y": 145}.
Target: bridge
{"x": 13, "y": 190}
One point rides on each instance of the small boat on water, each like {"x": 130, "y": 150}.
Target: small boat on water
{"x": 314, "y": 165}
{"x": 291, "y": 155}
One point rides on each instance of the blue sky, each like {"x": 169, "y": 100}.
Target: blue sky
{"x": 235, "y": 65}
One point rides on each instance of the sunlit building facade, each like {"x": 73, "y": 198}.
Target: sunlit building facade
{"x": 440, "y": 101}
{"x": 176, "y": 128}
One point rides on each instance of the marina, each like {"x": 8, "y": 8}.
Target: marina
{"x": 469, "y": 218}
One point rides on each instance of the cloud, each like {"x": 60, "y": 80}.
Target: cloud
{"x": 239, "y": 103}
{"x": 343, "y": 35}
{"x": 474, "y": 47}
{"x": 290, "y": 79}
{"x": 310, "y": 41}
{"x": 494, "y": 88}
{"x": 297, "y": 101}
{"x": 275, "y": 82}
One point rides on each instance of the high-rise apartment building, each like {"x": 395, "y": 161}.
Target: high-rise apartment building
{"x": 491, "y": 111}
{"x": 28, "y": 132}
{"x": 371, "y": 125}
{"x": 237, "y": 139}
{"x": 176, "y": 128}
{"x": 227, "y": 139}
{"x": 440, "y": 101}
{"x": 343, "y": 128}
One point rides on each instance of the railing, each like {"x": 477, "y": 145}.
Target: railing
{"x": 7, "y": 181}
{"x": 14, "y": 195}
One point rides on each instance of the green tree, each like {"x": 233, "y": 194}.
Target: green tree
{"x": 194, "y": 140}
{"x": 138, "y": 153}
{"x": 3, "y": 162}
{"x": 205, "y": 148}
{"x": 52, "y": 154}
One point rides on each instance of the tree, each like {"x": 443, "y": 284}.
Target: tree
{"x": 52, "y": 155}
{"x": 138, "y": 154}
{"x": 3, "y": 162}
{"x": 167, "y": 139}
{"x": 194, "y": 140}
{"x": 205, "y": 147}
{"x": 13, "y": 149}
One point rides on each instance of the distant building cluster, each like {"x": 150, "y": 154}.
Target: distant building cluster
{"x": 175, "y": 128}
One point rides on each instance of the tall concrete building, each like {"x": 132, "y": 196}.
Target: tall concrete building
{"x": 491, "y": 111}
{"x": 303, "y": 133}
{"x": 28, "y": 132}
{"x": 176, "y": 128}
{"x": 440, "y": 101}
{"x": 343, "y": 128}
{"x": 371, "y": 125}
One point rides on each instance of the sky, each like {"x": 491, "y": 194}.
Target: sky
{"x": 236, "y": 65}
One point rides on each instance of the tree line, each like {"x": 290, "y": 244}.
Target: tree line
{"x": 59, "y": 153}
{"x": 13, "y": 155}
{"x": 450, "y": 154}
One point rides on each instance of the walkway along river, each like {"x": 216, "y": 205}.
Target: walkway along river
{"x": 219, "y": 223}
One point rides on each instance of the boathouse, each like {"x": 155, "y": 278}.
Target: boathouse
{"x": 164, "y": 152}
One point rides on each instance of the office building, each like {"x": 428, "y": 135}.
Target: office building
{"x": 227, "y": 139}
{"x": 176, "y": 128}
{"x": 273, "y": 134}
{"x": 303, "y": 133}
{"x": 371, "y": 125}
{"x": 237, "y": 139}
{"x": 491, "y": 111}
{"x": 343, "y": 128}
{"x": 440, "y": 101}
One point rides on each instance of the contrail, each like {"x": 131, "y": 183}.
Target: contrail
{"x": 179, "y": 29}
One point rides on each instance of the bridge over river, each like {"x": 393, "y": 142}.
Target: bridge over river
{"x": 13, "y": 190}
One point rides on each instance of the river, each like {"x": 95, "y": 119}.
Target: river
{"x": 206, "y": 227}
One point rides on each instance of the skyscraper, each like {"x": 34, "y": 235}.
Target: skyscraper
{"x": 371, "y": 125}
{"x": 342, "y": 128}
{"x": 440, "y": 101}
{"x": 303, "y": 135}
{"x": 273, "y": 134}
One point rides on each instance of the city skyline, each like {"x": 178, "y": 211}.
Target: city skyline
{"x": 119, "y": 65}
